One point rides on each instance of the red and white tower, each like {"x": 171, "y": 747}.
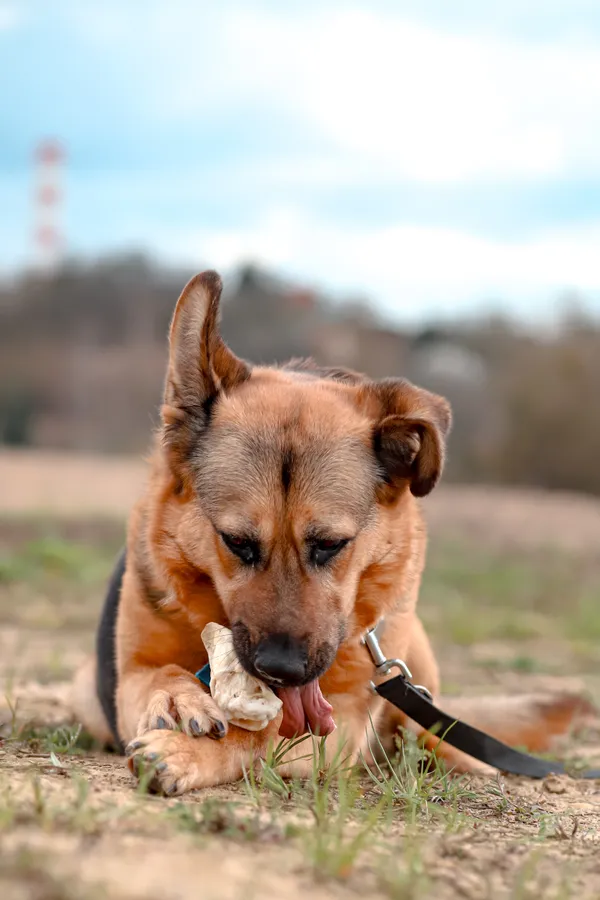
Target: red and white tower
{"x": 48, "y": 237}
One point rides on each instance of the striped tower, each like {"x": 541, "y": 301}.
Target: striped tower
{"x": 48, "y": 238}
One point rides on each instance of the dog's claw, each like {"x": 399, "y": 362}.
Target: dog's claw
{"x": 218, "y": 731}
{"x": 131, "y": 748}
{"x": 161, "y": 723}
{"x": 172, "y": 789}
{"x": 195, "y": 728}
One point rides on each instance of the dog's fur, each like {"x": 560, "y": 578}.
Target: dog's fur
{"x": 284, "y": 457}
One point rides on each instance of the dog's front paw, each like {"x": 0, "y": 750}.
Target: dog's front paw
{"x": 172, "y": 763}
{"x": 183, "y": 705}
{"x": 168, "y": 759}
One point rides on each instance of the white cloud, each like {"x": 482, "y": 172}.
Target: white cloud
{"x": 376, "y": 90}
{"x": 410, "y": 270}
{"x": 408, "y": 100}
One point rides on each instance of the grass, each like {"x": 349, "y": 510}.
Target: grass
{"x": 229, "y": 820}
{"x": 348, "y": 810}
{"x": 53, "y": 577}
{"x": 521, "y": 662}
{"x": 53, "y": 557}
{"x": 67, "y": 738}
{"x": 71, "y": 811}
{"x": 485, "y": 595}
{"x": 404, "y": 876}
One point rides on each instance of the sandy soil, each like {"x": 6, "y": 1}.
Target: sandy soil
{"x": 514, "y": 838}
{"x": 63, "y": 484}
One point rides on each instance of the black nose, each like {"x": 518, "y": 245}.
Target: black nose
{"x": 281, "y": 659}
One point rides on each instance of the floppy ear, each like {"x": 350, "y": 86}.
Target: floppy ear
{"x": 410, "y": 437}
{"x": 200, "y": 363}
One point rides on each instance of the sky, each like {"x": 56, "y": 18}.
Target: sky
{"x": 433, "y": 157}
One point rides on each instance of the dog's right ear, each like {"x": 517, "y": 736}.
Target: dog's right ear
{"x": 200, "y": 364}
{"x": 409, "y": 436}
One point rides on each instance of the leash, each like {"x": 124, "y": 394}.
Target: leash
{"x": 417, "y": 703}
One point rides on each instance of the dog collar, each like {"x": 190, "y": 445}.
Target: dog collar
{"x": 203, "y": 675}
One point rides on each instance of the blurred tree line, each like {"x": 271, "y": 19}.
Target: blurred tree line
{"x": 82, "y": 357}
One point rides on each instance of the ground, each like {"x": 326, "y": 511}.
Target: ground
{"x": 511, "y": 598}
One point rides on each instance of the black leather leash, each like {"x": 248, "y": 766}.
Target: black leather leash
{"x": 408, "y": 698}
{"x": 414, "y": 700}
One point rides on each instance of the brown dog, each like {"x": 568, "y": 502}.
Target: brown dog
{"x": 281, "y": 502}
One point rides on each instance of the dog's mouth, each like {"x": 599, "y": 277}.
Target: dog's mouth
{"x": 305, "y": 709}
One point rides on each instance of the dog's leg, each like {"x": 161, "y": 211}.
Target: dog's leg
{"x": 166, "y": 698}
{"x": 182, "y": 763}
{"x": 85, "y": 704}
{"x": 163, "y": 714}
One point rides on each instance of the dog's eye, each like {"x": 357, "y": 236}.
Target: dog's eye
{"x": 245, "y": 549}
{"x": 321, "y": 551}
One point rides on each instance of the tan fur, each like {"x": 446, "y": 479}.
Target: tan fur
{"x": 279, "y": 454}
{"x": 85, "y": 704}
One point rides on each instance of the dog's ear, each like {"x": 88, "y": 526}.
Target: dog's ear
{"x": 410, "y": 436}
{"x": 200, "y": 363}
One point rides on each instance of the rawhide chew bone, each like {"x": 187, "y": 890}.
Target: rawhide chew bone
{"x": 244, "y": 700}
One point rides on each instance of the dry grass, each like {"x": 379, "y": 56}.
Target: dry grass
{"x": 511, "y": 598}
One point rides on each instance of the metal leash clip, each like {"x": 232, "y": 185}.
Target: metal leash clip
{"x": 384, "y": 666}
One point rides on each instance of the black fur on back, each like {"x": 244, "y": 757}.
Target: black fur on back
{"x": 106, "y": 671}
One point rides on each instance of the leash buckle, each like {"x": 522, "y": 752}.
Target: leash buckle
{"x": 383, "y": 666}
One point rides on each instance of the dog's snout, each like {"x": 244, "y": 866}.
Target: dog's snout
{"x": 281, "y": 659}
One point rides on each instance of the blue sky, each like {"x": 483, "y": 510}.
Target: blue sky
{"x": 434, "y": 157}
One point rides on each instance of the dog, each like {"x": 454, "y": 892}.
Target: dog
{"x": 282, "y": 502}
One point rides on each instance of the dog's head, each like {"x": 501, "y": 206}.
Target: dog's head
{"x": 290, "y": 482}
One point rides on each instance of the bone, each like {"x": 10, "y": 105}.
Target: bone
{"x": 244, "y": 700}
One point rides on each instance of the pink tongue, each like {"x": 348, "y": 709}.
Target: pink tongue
{"x": 305, "y": 708}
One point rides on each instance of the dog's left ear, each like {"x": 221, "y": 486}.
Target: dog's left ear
{"x": 200, "y": 366}
{"x": 410, "y": 436}
{"x": 200, "y": 363}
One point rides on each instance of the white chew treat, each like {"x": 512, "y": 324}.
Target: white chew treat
{"x": 244, "y": 700}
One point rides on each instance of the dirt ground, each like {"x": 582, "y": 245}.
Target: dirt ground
{"x": 512, "y": 600}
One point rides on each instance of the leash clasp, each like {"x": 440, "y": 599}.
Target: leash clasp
{"x": 383, "y": 665}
